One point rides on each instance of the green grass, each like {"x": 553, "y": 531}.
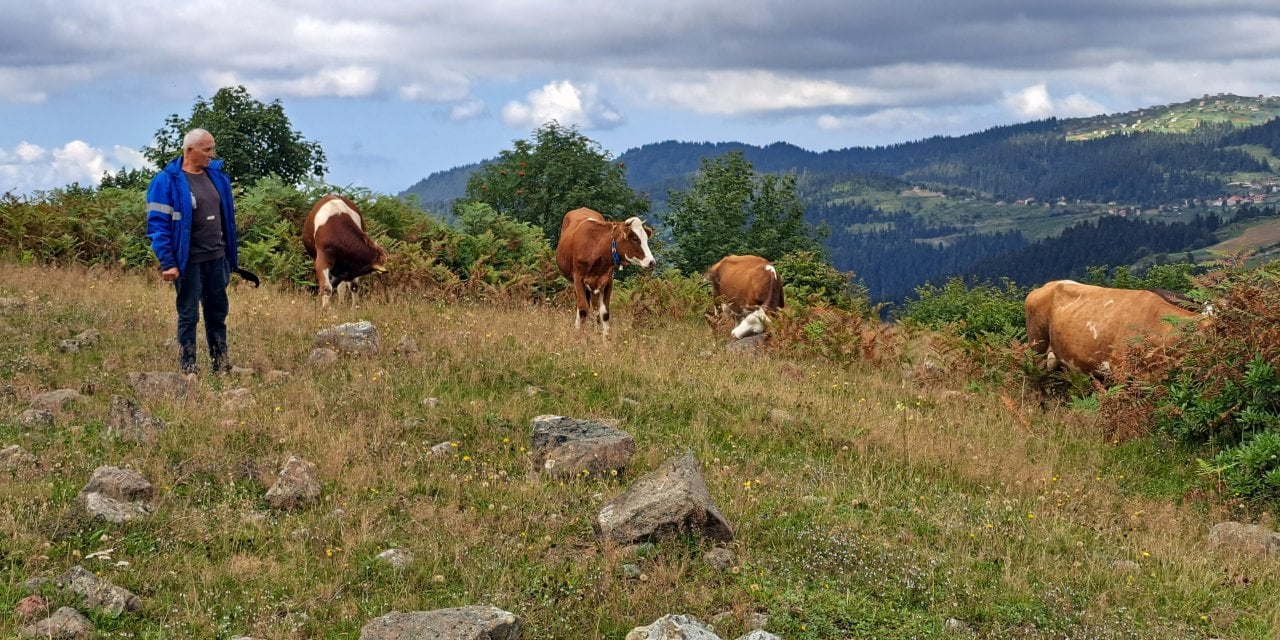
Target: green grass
{"x": 883, "y": 509}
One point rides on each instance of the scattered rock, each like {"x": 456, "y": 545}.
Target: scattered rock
{"x": 65, "y": 624}
{"x": 720, "y": 558}
{"x": 99, "y": 594}
{"x": 442, "y": 450}
{"x": 673, "y": 627}
{"x": 749, "y": 344}
{"x": 567, "y": 447}
{"x": 1248, "y": 539}
{"x": 322, "y": 357}
{"x": 128, "y": 422}
{"x": 30, "y": 608}
{"x": 406, "y": 345}
{"x": 116, "y": 495}
{"x": 397, "y": 558}
{"x": 15, "y": 456}
{"x": 430, "y": 402}
{"x": 359, "y": 338}
{"x": 671, "y": 500}
{"x": 956, "y": 627}
{"x": 296, "y": 485}
{"x": 68, "y": 346}
{"x": 460, "y": 623}
{"x": 237, "y": 399}
{"x": 760, "y": 634}
{"x": 55, "y": 400}
{"x": 35, "y": 419}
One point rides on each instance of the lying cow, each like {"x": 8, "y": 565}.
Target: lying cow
{"x": 590, "y": 248}
{"x": 335, "y": 238}
{"x": 746, "y": 287}
{"x": 1085, "y": 327}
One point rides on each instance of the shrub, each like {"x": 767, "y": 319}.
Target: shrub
{"x": 987, "y": 313}
{"x": 809, "y": 280}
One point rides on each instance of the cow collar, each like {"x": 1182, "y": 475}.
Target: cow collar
{"x": 617, "y": 262}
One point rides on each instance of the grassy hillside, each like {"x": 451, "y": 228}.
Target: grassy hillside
{"x": 1181, "y": 117}
{"x": 866, "y": 503}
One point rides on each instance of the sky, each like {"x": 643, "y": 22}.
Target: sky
{"x": 396, "y": 90}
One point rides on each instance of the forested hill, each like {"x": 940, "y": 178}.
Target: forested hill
{"x": 993, "y": 203}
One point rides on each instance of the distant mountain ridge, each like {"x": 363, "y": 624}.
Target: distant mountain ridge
{"x": 903, "y": 214}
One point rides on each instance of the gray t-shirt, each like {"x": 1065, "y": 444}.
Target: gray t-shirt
{"x": 206, "y": 223}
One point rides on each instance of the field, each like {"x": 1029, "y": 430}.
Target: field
{"x": 867, "y": 501}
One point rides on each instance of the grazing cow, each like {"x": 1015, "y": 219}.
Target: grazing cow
{"x": 747, "y": 287}
{"x": 1084, "y": 327}
{"x": 334, "y": 236}
{"x": 590, "y": 248}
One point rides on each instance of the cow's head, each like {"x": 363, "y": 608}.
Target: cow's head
{"x": 632, "y": 240}
{"x": 380, "y": 262}
{"x": 754, "y": 323}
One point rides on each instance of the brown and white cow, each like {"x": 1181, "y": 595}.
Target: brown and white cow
{"x": 1085, "y": 326}
{"x": 746, "y": 287}
{"x": 590, "y": 248}
{"x": 334, "y": 236}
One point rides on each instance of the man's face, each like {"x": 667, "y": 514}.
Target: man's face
{"x": 200, "y": 153}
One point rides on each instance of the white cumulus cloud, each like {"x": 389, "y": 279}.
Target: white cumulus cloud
{"x": 565, "y": 103}
{"x": 1035, "y": 102}
{"x": 27, "y": 168}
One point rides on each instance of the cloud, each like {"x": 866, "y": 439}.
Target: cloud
{"x": 565, "y": 103}
{"x": 342, "y": 82}
{"x": 745, "y": 92}
{"x": 1034, "y": 102}
{"x": 28, "y": 168}
{"x": 469, "y": 110}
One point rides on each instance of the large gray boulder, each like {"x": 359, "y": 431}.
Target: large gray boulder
{"x": 65, "y": 624}
{"x": 1243, "y": 538}
{"x": 673, "y": 627}
{"x": 568, "y": 447}
{"x": 116, "y": 495}
{"x": 460, "y": 623}
{"x": 127, "y": 421}
{"x": 670, "y": 501}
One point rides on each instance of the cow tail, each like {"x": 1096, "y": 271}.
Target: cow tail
{"x": 775, "y": 294}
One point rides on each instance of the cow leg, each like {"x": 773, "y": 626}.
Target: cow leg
{"x": 322, "y": 279}
{"x": 581, "y": 296}
{"x": 605, "y": 293}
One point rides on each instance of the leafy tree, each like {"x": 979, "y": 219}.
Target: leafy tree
{"x": 126, "y": 179}
{"x": 254, "y": 139}
{"x": 730, "y": 209}
{"x": 538, "y": 181}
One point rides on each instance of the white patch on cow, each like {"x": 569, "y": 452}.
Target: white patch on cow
{"x": 1050, "y": 360}
{"x": 1108, "y": 303}
{"x": 770, "y": 269}
{"x": 325, "y": 289}
{"x": 333, "y": 208}
{"x": 753, "y": 323}
{"x": 637, "y": 225}
{"x": 604, "y": 313}
{"x": 1093, "y": 329}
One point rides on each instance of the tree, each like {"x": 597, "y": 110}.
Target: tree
{"x": 560, "y": 170}
{"x": 255, "y": 140}
{"x": 729, "y": 209}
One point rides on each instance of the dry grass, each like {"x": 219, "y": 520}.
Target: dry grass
{"x": 877, "y": 506}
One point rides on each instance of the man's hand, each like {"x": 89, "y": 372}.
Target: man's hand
{"x": 170, "y": 274}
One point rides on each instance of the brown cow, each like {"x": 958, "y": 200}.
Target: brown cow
{"x": 1084, "y": 326}
{"x": 747, "y": 287}
{"x": 334, "y": 236}
{"x": 590, "y": 248}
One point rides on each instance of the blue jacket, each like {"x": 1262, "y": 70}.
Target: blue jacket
{"x": 169, "y": 215}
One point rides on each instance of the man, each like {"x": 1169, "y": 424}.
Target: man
{"x": 191, "y": 222}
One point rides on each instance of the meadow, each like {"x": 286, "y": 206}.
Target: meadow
{"x": 868, "y": 500}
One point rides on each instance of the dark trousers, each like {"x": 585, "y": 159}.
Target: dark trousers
{"x": 203, "y": 285}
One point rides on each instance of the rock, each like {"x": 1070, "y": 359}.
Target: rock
{"x": 112, "y": 510}
{"x": 671, "y": 500}
{"x": 1249, "y": 539}
{"x": 128, "y": 422}
{"x": 55, "y": 400}
{"x": 749, "y": 344}
{"x": 460, "y": 623}
{"x": 30, "y": 608}
{"x": 65, "y": 624}
{"x": 406, "y": 345}
{"x": 567, "y": 447}
{"x": 359, "y": 338}
{"x": 237, "y": 399}
{"x": 673, "y": 627}
{"x": 720, "y": 558}
{"x": 120, "y": 484}
{"x": 760, "y": 634}
{"x": 99, "y": 594}
{"x": 15, "y": 456}
{"x": 68, "y": 346}
{"x": 442, "y": 450}
{"x": 295, "y": 486}
{"x": 322, "y": 357}
{"x": 397, "y": 558}
{"x": 35, "y": 419}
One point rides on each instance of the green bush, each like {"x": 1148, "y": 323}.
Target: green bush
{"x": 987, "y": 313}
{"x": 809, "y": 280}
